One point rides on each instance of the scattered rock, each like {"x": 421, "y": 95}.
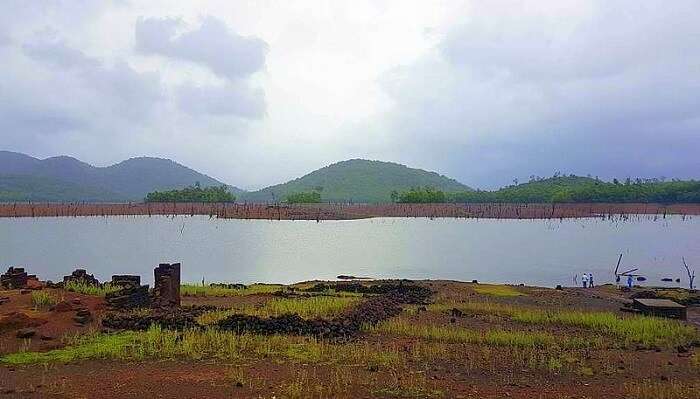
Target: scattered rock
{"x": 26, "y": 333}
{"x": 25, "y": 291}
{"x": 456, "y": 312}
{"x": 234, "y": 286}
{"x": 4, "y": 299}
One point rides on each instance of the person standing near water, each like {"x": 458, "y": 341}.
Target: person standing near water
{"x": 590, "y": 280}
{"x": 629, "y": 281}
{"x": 584, "y": 280}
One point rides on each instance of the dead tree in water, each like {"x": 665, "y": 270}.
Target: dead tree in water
{"x": 691, "y": 276}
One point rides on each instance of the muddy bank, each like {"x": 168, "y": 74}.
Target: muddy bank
{"x": 347, "y": 211}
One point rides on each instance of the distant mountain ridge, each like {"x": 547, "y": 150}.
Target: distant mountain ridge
{"x": 64, "y": 178}
{"x": 357, "y": 180}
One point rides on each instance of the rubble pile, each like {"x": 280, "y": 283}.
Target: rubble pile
{"x": 81, "y": 276}
{"x": 130, "y": 297}
{"x": 14, "y": 278}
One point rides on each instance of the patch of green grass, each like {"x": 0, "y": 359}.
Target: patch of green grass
{"x": 157, "y": 343}
{"x": 308, "y": 308}
{"x": 43, "y": 300}
{"x": 89, "y": 289}
{"x": 198, "y": 290}
{"x": 401, "y": 327}
{"x": 634, "y": 329}
{"x": 497, "y": 290}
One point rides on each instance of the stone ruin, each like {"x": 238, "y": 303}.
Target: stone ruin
{"x": 166, "y": 290}
{"x": 81, "y": 276}
{"x": 126, "y": 280}
{"x": 133, "y": 295}
{"x": 15, "y": 277}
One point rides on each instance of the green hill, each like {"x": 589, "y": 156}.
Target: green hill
{"x": 49, "y": 189}
{"x": 63, "y": 178}
{"x": 585, "y": 189}
{"x": 357, "y": 180}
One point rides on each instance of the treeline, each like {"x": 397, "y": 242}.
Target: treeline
{"x": 193, "y": 194}
{"x": 567, "y": 190}
{"x": 309, "y": 197}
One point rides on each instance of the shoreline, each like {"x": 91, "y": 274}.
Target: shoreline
{"x": 349, "y": 211}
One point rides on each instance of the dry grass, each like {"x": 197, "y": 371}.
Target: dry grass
{"x": 497, "y": 290}
{"x": 661, "y": 390}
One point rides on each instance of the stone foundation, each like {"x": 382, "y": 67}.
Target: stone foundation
{"x": 15, "y": 277}
{"x": 166, "y": 290}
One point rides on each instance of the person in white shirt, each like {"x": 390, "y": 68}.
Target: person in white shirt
{"x": 584, "y": 280}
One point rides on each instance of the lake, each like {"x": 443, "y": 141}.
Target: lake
{"x": 533, "y": 252}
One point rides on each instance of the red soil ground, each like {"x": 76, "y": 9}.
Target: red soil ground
{"x": 349, "y": 211}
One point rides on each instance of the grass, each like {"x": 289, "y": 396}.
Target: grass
{"x": 406, "y": 328}
{"x": 89, "y": 289}
{"x": 308, "y": 308}
{"x": 198, "y": 290}
{"x": 158, "y": 343}
{"x": 661, "y": 390}
{"x": 642, "y": 330}
{"x": 497, "y": 290}
{"x": 44, "y": 300}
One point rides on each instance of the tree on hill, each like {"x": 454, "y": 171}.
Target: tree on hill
{"x": 193, "y": 194}
{"x": 309, "y": 197}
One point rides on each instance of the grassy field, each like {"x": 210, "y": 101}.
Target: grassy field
{"x": 308, "y": 308}
{"x": 199, "y": 290}
{"x": 633, "y": 329}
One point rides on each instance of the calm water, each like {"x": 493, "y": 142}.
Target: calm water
{"x": 513, "y": 251}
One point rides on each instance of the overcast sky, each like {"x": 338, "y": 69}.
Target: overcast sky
{"x": 257, "y": 92}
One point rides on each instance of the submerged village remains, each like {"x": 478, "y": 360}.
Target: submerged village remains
{"x": 346, "y": 338}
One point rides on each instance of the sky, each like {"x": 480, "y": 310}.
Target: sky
{"x": 255, "y": 93}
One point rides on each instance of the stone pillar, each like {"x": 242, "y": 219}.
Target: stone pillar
{"x": 167, "y": 285}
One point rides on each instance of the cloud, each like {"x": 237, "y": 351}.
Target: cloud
{"x": 520, "y": 89}
{"x": 54, "y": 95}
{"x": 230, "y": 99}
{"x": 212, "y": 44}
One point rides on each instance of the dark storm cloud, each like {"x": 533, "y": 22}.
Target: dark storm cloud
{"x": 515, "y": 92}
{"x": 51, "y": 91}
{"x": 213, "y": 45}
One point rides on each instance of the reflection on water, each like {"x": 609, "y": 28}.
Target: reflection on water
{"x": 536, "y": 252}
